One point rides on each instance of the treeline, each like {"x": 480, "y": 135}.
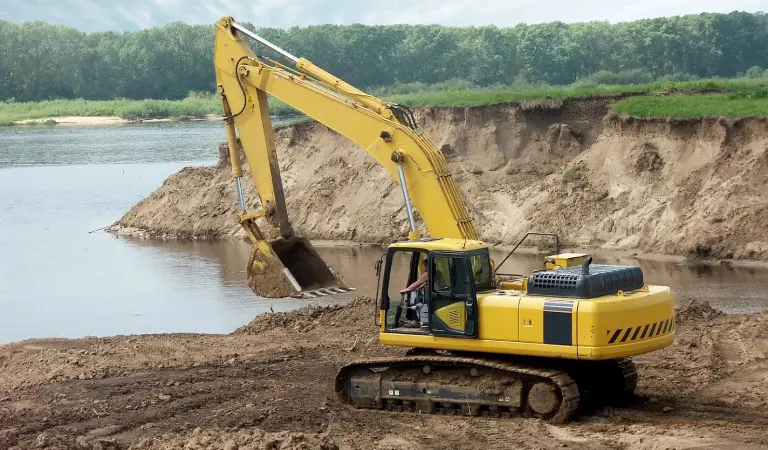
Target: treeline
{"x": 40, "y": 61}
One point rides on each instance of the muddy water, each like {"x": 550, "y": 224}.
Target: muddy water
{"x": 733, "y": 290}
{"x": 58, "y": 279}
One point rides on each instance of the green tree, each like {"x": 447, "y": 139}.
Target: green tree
{"x": 42, "y": 61}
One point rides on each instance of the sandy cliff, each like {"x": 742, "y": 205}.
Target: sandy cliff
{"x": 691, "y": 187}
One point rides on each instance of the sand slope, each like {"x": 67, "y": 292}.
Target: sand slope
{"x": 677, "y": 187}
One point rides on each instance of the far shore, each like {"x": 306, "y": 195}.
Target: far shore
{"x": 103, "y": 120}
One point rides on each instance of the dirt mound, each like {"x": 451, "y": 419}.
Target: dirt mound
{"x": 696, "y": 310}
{"x": 273, "y": 387}
{"x": 361, "y": 309}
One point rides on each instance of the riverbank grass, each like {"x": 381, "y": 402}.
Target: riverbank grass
{"x": 11, "y": 112}
{"x": 700, "y": 98}
{"x": 730, "y": 105}
{"x": 494, "y": 95}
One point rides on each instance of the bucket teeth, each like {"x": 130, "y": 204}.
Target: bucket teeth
{"x": 324, "y": 292}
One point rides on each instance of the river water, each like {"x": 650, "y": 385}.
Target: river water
{"x": 60, "y": 279}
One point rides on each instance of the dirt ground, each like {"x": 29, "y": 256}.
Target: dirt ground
{"x": 659, "y": 186}
{"x": 269, "y": 385}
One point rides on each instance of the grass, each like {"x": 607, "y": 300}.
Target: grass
{"x": 197, "y": 106}
{"x": 127, "y": 109}
{"x": 573, "y": 173}
{"x": 484, "y": 96}
{"x": 650, "y": 147}
{"x": 738, "y": 98}
{"x": 730, "y": 105}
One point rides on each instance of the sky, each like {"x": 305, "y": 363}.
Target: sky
{"x": 118, "y": 15}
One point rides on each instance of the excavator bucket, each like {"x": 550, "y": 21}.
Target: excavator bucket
{"x": 291, "y": 267}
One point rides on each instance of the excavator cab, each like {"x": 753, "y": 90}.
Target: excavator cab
{"x": 457, "y": 269}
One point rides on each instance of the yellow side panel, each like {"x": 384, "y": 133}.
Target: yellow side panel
{"x": 498, "y": 317}
{"x": 453, "y": 315}
{"x": 532, "y": 319}
{"x": 636, "y": 323}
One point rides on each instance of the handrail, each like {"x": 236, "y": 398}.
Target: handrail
{"x": 530, "y": 233}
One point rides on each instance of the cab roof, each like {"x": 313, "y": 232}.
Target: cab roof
{"x": 443, "y": 244}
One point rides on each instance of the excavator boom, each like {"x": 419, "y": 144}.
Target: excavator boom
{"x": 281, "y": 263}
{"x": 387, "y": 132}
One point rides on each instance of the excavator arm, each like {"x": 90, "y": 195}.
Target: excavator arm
{"x": 386, "y": 131}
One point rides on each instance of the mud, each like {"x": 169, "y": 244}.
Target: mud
{"x": 685, "y": 187}
{"x": 269, "y": 385}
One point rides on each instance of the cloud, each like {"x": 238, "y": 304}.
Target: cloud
{"x": 95, "y": 15}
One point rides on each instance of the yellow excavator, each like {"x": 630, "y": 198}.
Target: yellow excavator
{"x": 479, "y": 342}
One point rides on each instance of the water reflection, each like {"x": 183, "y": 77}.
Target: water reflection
{"x": 733, "y": 289}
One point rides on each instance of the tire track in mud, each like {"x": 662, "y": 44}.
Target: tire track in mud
{"x": 225, "y": 395}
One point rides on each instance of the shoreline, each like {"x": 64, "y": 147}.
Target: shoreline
{"x": 119, "y": 231}
{"x": 107, "y": 120}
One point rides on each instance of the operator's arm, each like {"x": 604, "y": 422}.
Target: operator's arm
{"x": 417, "y": 284}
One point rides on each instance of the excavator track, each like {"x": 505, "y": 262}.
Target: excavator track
{"x": 601, "y": 383}
{"x": 459, "y": 385}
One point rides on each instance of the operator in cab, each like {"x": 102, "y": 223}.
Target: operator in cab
{"x": 418, "y": 301}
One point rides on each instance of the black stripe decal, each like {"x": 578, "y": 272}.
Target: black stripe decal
{"x": 656, "y": 329}
{"x": 558, "y": 328}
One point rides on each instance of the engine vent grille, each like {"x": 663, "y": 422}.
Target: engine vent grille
{"x": 573, "y": 282}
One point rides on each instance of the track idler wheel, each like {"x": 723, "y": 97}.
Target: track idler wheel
{"x": 543, "y": 399}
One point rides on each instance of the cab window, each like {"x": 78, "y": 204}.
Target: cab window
{"x": 481, "y": 269}
{"x": 449, "y": 276}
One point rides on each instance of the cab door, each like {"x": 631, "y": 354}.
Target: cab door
{"x": 451, "y": 296}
